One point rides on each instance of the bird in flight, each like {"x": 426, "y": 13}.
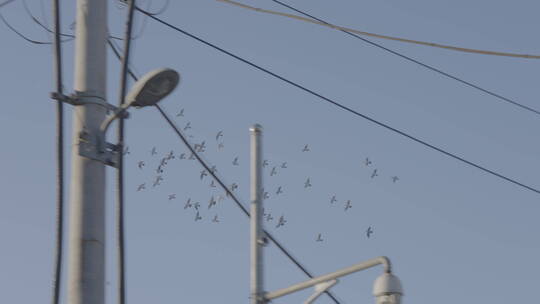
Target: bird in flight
{"x": 188, "y": 204}
{"x": 172, "y": 196}
{"x": 219, "y": 134}
{"x": 221, "y": 146}
{"x": 158, "y": 180}
{"x": 159, "y": 169}
{"x": 215, "y": 219}
{"x": 284, "y": 165}
{"x": 266, "y": 195}
{"x": 203, "y": 174}
{"x": 265, "y": 163}
{"x": 367, "y": 162}
{"x": 369, "y": 232}
{"x": 279, "y": 190}
{"x": 212, "y": 202}
{"x": 307, "y": 184}
{"x": 273, "y": 172}
{"x": 170, "y": 155}
{"x": 183, "y": 156}
{"x": 395, "y": 179}
{"x": 306, "y": 148}
{"x": 235, "y": 161}
{"x": 234, "y": 186}
{"x": 333, "y": 199}
{"x": 213, "y": 184}
{"x": 141, "y": 187}
{"x": 196, "y": 205}
{"x": 154, "y": 151}
{"x": 319, "y": 238}
{"x": 181, "y": 113}
{"x": 213, "y": 169}
{"x": 348, "y": 205}
{"x": 281, "y": 221}
{"x": 188, "y": 126}
{"x": 192, "y": 157}
{"x": 198, "y": 216}
{"x": 200, "y": 147}
{"x": 126, "y": 151}
{"x": 140, "y": 164}
{"x": 269, "y": 217}
{"x": 374, "y": 174}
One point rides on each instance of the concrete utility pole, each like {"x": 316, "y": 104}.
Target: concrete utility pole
{"x": 86, "y": 276}
{"x": 257, "y": 237}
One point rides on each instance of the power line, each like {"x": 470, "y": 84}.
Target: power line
{"x": 59, "y": 157}
{"x": 222, "y": 184}
{"x": 424, "y": 43}
{"x": 425, "y": 65}
{"x": 386, "y": 126}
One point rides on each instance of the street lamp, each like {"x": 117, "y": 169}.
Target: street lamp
{"x": 387, "y": 289}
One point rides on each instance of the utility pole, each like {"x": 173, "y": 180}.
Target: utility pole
{"x": 257, "y": 238}
{"x": 86, "y": 275}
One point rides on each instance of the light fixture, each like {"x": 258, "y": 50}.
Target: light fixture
{"x": 387, "y": 289}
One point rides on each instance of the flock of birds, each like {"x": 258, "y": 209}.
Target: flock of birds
{"x": 204, "y": 177}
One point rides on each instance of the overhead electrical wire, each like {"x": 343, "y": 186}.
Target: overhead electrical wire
{"x": 343, "y": 107}
{"x": 424, "y": 43}
{"x": 120, "y": 170}
{"x": 59, "y": 237}
{"x": 222, "y": 184}
{"x": 425, "y": 65}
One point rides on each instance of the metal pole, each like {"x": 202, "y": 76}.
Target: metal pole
{"x": 86, "y": 276}
{"x": 256, "y": 216}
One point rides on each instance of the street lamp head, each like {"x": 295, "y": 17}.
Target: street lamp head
{"x": 387, "y": 289}
{"x": 153, "y": 87}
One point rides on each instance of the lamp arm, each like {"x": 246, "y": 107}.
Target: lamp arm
{"x": 330, "y": 276}
{"x": 121, "y": 111}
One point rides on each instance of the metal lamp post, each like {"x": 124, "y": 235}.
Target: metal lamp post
{"x": 387, "y": 288}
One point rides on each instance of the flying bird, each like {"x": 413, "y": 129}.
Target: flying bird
{"x": 170, "y": 155}
{"x": 154, "y": 151}
{"x": 215, "y": 219}
{"x": 213, "y": 169}
{"x": 395, "y": 179}
{"x": 369, "y": 232}
{"x": 192, "y": 157}
{"x": 126, "y": 151}
{"x": 203, "y": 174}
{"x": 196, "y": 205}
{"x": 198, "y": 216}
{"x": 200, "y": 147}
{"x": 234, "y": 186}
{"x": 188, "y": 126}
{"x": 183, "y": 156}
{"x": 306, "y": 149}
{"x": 367, "y": 162}
{"x": 264, "y": 163}
{"x": 279, "y": 190}
{"x": 284, "y": 165}
{"x": 319, "y": 238}
{"x": 273, "y": 172}
{"x": 235, "y": 161}
{"x": 374, "y": 174}
{"x": 157, "y": 181}
{"x": 333, "y": 199}
{"x": 140, "y": 164}
{"x": 348, "y": 205}
{"x": 307, "y": 184}
{"x": 181, "y": 113}
{"x": 281, "y": 221}
{"x": 141, "y": 187}
{"x": 219, "y": 134}
{"x": 269, "y": 217}
{"x": 266, "y": 195}
{"x": 172, "y": 196}
{"x": 221, "y": 146}
{"x": 212, "y": 202}
{"x": 213, "y": 184}
{"x": 188, "y": 204}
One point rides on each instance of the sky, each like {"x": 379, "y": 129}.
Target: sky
{"x": 453, "y": 233}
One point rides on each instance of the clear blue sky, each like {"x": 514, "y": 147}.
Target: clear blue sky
{"x": 454, "y": 233}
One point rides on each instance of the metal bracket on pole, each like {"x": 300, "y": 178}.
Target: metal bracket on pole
{"x": 96, "y": 148}
{"x": 75, "y": 100}
{"x": 320, "y": 289}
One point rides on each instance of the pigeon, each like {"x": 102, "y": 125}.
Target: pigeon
{"x": 333, "y": 200}
{"x": 219, "y": 134}
{"x": 264, "y": 163}
{"x": 221, "y": 146}
{"x": 235, "y": 161}
{"x": 348, "y": 205}
{"x": 203, "y": 174}
{"x": 307, "y": 184}
{"x": 188, "y": 126}
{"x": 140, "y": 164}
{"x": 284, "y": 165}
{"x": 188, "y": 204}
{"x": 279, "y": 190}
{"x": 273, "y": 172}
{"x": 319, "y": 238}
{"x": 157, "y": 181}
{"x": 180, "y": 114}
{"x": 369, "y": 232}
{"x": 200, "y": 147}
{"x": 215, "y": 219}
{"x": 213, "y": 169}
{"x": 395, "y": 179}
{"x": 269, "y": 217}
{"x": 154, "y": 151}
{"x": 126, "y": 151}
{"x": 183, "y": 156}
{"x": 197, "y": 205}
{"x": 141, "y": 187}
{"x": 212, "y": 202}
{"x": 172, "y": 196}
{"x": 281, "y": 221}
{"x": 192, "y": 157}
{"x": 374, "y": 174}
{"x": 213, "y": 184}
{"x": 367, "y": 162}
{"x": 306, "y": 149}
{"x": 198, "y": 216}
{"x": 266, "y": 195}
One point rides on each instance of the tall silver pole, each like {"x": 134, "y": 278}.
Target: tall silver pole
{"x": 86, "y": 275}
{"x": 257, "y": 243}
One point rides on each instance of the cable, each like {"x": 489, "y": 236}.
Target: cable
{"x": 6, "y": 2}
{"x": 424, "y": 43}
{"x": 120, "y": 171}
{"x": 223, "y": 186}
{"x": 60, "y": 157}
{"x": 429, "y": 67}
{"x": 21, "y": 35}
{"x": 381, "y": 124}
